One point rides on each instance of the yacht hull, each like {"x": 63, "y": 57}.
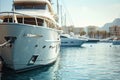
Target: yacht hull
{"x": 71, "y": 42}
{"x": 31, "y": 45}
{"x": 116, "y": 42}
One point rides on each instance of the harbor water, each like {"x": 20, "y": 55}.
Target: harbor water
{"x": 100, "y": 61}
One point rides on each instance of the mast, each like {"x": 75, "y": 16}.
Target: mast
{"x": 50, "y": 1}
{"x": 57, "y": 7}
{"x": 58, "y": 10}
{"x": 0, "y": 5}
{"x": 61, "y": 15}
{"x": 65, "y": 20}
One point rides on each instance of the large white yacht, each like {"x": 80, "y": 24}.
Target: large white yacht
{"x": 68, "y": 40}
{"x": 116, "y": 41}
{"x": 29, "y": 35}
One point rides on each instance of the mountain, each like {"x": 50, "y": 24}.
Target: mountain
{"x": 107, "y": 25}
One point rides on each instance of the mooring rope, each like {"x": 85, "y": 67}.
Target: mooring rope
{"x": 3, "y": 44}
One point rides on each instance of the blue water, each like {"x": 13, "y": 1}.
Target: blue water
{"x": 99, "y": 61}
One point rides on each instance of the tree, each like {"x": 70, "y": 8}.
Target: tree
{"x": 82, "y": 33}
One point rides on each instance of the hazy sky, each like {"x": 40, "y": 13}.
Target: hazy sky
{"x": 83, "y": 12}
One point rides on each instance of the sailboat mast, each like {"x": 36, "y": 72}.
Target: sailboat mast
{"x": 61, "y": 15}
{"x": 57, "y": 7}
{"x": 65, "y": 19}
{"x": 58, "y": 10}
{"x": 13, "y": 5}
{"x": 0, "y": 5}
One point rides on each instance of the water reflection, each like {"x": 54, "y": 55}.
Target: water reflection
{"x": 92, "y": 62}
{"x": 99, "y": 61}
{"x": 43, "y": 73}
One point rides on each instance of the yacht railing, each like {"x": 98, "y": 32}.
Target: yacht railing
{"x": 12, "y": 17}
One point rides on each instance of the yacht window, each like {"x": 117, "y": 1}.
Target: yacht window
{"x": 30, "y": 21}
{"x": 40, "y": 7}
{"x": 65, "y": 42}
{"x": 18, "y": 7}
{"x": 40, "y": 22}
{"x": 63, "y": 37}
{"x": 20, "y": 20}
{"x": 7, "y": 20}
{"x": 30, "y": 6}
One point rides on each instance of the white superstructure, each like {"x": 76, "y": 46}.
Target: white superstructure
{"x": 31, "y": 34}
{"x": 71, "y": 41}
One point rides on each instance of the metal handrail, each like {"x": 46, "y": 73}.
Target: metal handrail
{"x": 35, "y": 17}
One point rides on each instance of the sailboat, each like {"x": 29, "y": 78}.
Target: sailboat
{"x": 29, "y": 35}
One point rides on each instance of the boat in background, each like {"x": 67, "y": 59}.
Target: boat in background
{"x": 71, "y": 41}
{"x": 116, "y": 41}
{"x": 29, "y": 36}
{"x": 92, "y": 40}
{"x": 89, "y": 40}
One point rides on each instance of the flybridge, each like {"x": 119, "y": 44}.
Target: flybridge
{"x": 31, "y": 0}
{"x": 33, "y": 5}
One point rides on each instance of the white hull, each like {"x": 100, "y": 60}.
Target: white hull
{"x": 116, "y": 42}
{"x": 71, "y": 42}
{"x": 29, "y": 41}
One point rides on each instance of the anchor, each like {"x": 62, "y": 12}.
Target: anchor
{"x": 9, "y": 39}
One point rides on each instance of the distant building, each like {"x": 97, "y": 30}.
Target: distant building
{"x": 67, "y": 29}
{"x": 75, "y": 30}
{"x": 78, "y": 30}
{"x": 114, "y": 31}
{"x": 91, "y": 31}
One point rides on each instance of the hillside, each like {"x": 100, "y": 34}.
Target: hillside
{"x": 107, "y": 25}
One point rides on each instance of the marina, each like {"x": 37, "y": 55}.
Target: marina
{"x": 100, "y": 61}
{"x": 40, "y": 41}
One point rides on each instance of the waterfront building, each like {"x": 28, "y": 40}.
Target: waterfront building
{"x": 91, "y": 31}
{"x": 114, "y": 30}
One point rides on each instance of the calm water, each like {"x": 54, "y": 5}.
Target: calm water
{"x": 99, "y": 61}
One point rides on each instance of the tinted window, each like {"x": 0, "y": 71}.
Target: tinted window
{"x": 7, "y": 20}
{"x": 40, "y": 22}
{"x": 63, "y": 37}
{"x": 30, "y": 21}
{"x": 30, "y": 6}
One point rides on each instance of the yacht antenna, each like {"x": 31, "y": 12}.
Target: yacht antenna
{"x": 0, "y": 5}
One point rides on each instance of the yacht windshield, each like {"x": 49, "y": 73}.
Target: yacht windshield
{"x": 30, "y": 6}
{"x": 31, "y": 21}
{"x": 63, "y": 37}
